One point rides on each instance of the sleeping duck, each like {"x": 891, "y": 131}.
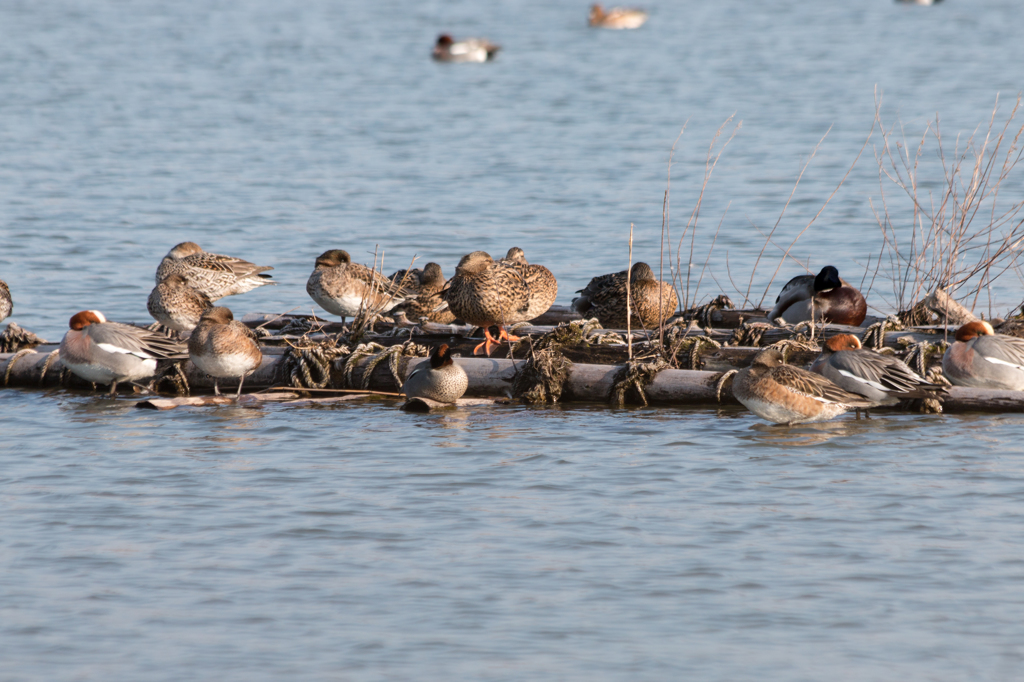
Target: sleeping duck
{"x": 830, "y": 298}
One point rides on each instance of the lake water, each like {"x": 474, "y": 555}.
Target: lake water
{"x": 355, "y": 542}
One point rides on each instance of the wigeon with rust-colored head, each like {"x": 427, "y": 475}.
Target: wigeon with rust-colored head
{"x": 824, "y": 297}
{"x": 882, "y": 379}
{"x": 111, "y": 352}
{"x": 980, "y": 358}
{"x": 783, "y": 394}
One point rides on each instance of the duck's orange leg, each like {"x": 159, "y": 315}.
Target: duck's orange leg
{"x": 486, "y": 345}
{"x": 504, "y": 335}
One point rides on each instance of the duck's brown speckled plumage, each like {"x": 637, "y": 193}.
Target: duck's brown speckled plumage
{"x": 651, "y": 301}
{"x": 6, "y": 304}
{"x": 427, "y": 285}
{"x": 176, "y": 305}
{"x": 214, "y": 275}
{"x": 342, "y": 287}
{"x": 783, "y": 394}
{"x": 223, "y": 347}
{"x": 541, "y": 283}
{"x": 484, "y": 292}
{"x": 438, "y": 379}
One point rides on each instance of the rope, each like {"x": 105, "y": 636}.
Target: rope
{"x": 692, "y": 347}
{"x": 918, "y": 354}
{"x": 787, "y": 346}
{"x": 14, "y": 359}
{"x": 14, "y": 338}
{"x": 173, "y": 374}
{"x": 720, "y": 384}
{"x": 53, "y": 355}
{"x": 636, "y": 375}
{"x": 541, "y": 379}
{"x": 702, "y": 314}
{"x": 874, "y": 336}
{"x": 749, "y": 334}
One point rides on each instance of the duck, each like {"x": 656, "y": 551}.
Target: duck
{"x": 111, "y": 352}
{"x": 427, "y": 284}
{"x": 212, "y": 274}
{"x": 830, "y": 297}
{"x": 882, "y": 379}
{"x": 6, "y": 302}
{"x": 783, "y": 394}
{"x": 651, "y": 301}
{"x": 438, "y": 379}
{"x": 980, "y": 358}
{"x": 484, "y": 293}
{"x": 176, "y": 305}
{"x": 224, "y": 348}
{"x": 542, "y": 285}
{"x": 343, "y": 288}
{"x": 447, "y": 49}
{"x": 617, "y": 18}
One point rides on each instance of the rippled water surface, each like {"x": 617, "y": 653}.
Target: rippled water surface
{"x": 355, "y": 542}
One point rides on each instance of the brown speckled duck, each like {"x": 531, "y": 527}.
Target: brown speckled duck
{"x": 831, "y": 298}
{"x": 438, "y": 379}
{"x": 604, "y": 297}
{"x": 542, "y": 285}
{"x": 224, "y": 348}
{"x": 176, "y": 305}
{"x": 343, "y": 288}
{"x": 427, "y": 285}
{"x": 214, "y": 275}
{"x": 6, "y": 304}
{"x": 484, "y": 293}
{"x": 783, "y": 394}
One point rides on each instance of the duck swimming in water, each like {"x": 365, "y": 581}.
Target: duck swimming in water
{"x": 617, "y": 18}
{"x": 824, "y": 297}
{"x": 447, "y": 49}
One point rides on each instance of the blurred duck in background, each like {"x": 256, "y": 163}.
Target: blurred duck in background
{"x": 617, "y": 18}
{"x": 447, "y": 49}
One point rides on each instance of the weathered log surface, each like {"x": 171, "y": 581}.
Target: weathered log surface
{"x": 490, "y": 377}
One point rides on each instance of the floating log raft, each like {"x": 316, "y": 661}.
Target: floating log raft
{"x": 488, "y": 378}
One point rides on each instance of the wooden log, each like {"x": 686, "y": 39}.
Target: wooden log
{"x": 428, "y": 405}
{"x": 489, "y": 377}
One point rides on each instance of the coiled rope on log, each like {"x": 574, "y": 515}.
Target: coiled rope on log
{"x": 635, "y": 376}
{"x": 542, "y": 378}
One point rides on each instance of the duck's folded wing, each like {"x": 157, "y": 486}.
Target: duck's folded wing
{"x": 115, "y": 337}
{"x": 816, "y": 386}
{"x": 796, "y": 289}
{"x": 1001, "y": 350}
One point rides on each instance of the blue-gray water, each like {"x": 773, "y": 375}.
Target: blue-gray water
{"x": 507, "y": 543}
